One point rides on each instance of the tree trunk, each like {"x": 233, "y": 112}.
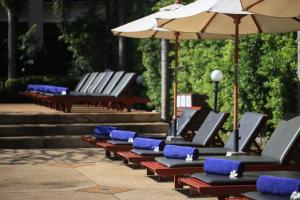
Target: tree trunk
{"x": 12, "y": 44}
{"x": 165, "y": 81}
{"x": 298, "y": 72}
{"x": 121, "y": 21}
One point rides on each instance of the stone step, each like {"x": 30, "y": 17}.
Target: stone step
{"x": 71, "y": 118}
{"x": 57, "y": 141}
{"x": 75, "y": 129}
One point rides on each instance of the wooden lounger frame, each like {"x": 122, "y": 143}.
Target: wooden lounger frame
{"x": 134, "y": 158}
{"x": 197, "y": 187}
{"x": 178, "y": 172}
{"x": 113, "y": 148}
{"x": 91, "y": 140}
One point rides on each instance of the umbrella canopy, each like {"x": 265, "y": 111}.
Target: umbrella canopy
{"x": 147, "y": 27}
{"x": 278, "y": 8}
{"x": 225, "y": 17}
{"x": 216, "y": 16}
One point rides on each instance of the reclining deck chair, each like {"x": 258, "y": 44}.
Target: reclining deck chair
{"x": 206, "y": 135}
{"x": 184, "y": 122}
{"x": 222, "y": 186}
{"x": 277, "y": 155}
{"x": 45, "y": 98}
{"x": 88, "y": 87}
{"x": 250, "y": 126}
{"x": 113, "y": 93}
{"x": 283, "y": 187}
{"x": 33, "y": 93}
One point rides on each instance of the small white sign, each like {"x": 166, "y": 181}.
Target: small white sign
{"x": 188, "y": 101}
{"x": 178, "y": 101}
{"x": 182, "y": 99}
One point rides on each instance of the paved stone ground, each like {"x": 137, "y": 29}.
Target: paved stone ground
{"x": 59, "y": 174}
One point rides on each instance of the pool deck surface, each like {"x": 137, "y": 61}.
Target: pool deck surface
{"x": 59, "y": 174}
{"x": 81, "y": 173}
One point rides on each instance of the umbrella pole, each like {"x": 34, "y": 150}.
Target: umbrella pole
{"x": 176, "y": 48}
{"x": 237, "y": 20}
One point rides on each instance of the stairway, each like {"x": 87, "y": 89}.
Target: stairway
{"x": 57, "y": 130}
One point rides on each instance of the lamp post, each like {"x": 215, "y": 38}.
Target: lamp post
{"x": 216, "y": 76}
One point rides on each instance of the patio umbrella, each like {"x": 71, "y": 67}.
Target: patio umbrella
{"x": 225, "y": 17}
{"x": 147, "y": 27}
{"x": 276, "y": 8}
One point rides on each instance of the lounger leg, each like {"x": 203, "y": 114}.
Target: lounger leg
{"x": 149, "y": 172}
{"x": 107, "y": 153}
{"x": 193, "y": 192}
{"x": 221, "y": 198}
{"x": 125, "y": 161}
{"x": 69, "y": 107}
{"x": 177, "y": 185}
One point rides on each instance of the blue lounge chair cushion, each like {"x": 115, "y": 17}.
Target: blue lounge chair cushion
{"x": 35, "y": 87}
{"x": 56, "y": 90}
{"x": 103, "y": 130}
{"x": 122, "y": 135}
{"x": 180, "y": 152}
{"x": 48, "y": 89}
{"x": 222, "y": 166}
{"x": 277, "y": 185}
{"x": 148, "y": 144}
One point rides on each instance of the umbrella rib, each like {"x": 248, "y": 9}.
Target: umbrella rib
{"x": 209, "y": 21}
{"x": 256, "y": 23}
{"x": 254, "y": 4}
{"x": 166, "y": 22}
{"x": 154, "y": 34}
{"x": 199, "y": 36}
{"x": 296, "y": 19}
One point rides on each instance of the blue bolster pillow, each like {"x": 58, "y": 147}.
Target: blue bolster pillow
{"x": 180, "y": 152}
{"x": 34, "y": 87}
{"x": 122, "y": 135}
{"x": 103, "y": 130}
{"x": 31, "y": 87}
{"x": 222, "y": 166}
{"x": 55, "y": 89}
{"x": 148, "y": 144}
{"x": 277, "y": 185}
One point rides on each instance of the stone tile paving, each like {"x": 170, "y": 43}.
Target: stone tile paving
{"x": 59, "y": 174}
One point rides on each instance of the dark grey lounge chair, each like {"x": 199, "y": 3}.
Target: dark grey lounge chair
{"x": 223, "y": 186}
{"x": 104, "y": 81}
{"x": 116, "y": 146}
{"x": 95, "y": 83}
{"x": 250, "y": 125}
{"x": 204, "y": 135}
{"x": 112, "y": 83}
{"x": 115, "y": 89}
{"x": 207, "y": 132}
{"x": 81, "y": 82}
{"x": 182, "y": 121}
{"x": 86, "y": 84}
{"x": 278, "y": 150}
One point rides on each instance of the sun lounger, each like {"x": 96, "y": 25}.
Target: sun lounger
{"x": 42, "y": 97}
{"x": 284, "y": 187}
{"x": 277, "y": 155}
{"x": 206, "y": 135}
{"x": 111, "y": 146}
{"x": 31, "y": 92}
{"x": 115, "y": 92}
{"x": 223, "y": 186}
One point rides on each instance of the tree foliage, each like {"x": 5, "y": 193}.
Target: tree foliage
{"x": 267, "y": 71}
{"x": 83, "y": 36}
{"x": 14, "y": 5}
